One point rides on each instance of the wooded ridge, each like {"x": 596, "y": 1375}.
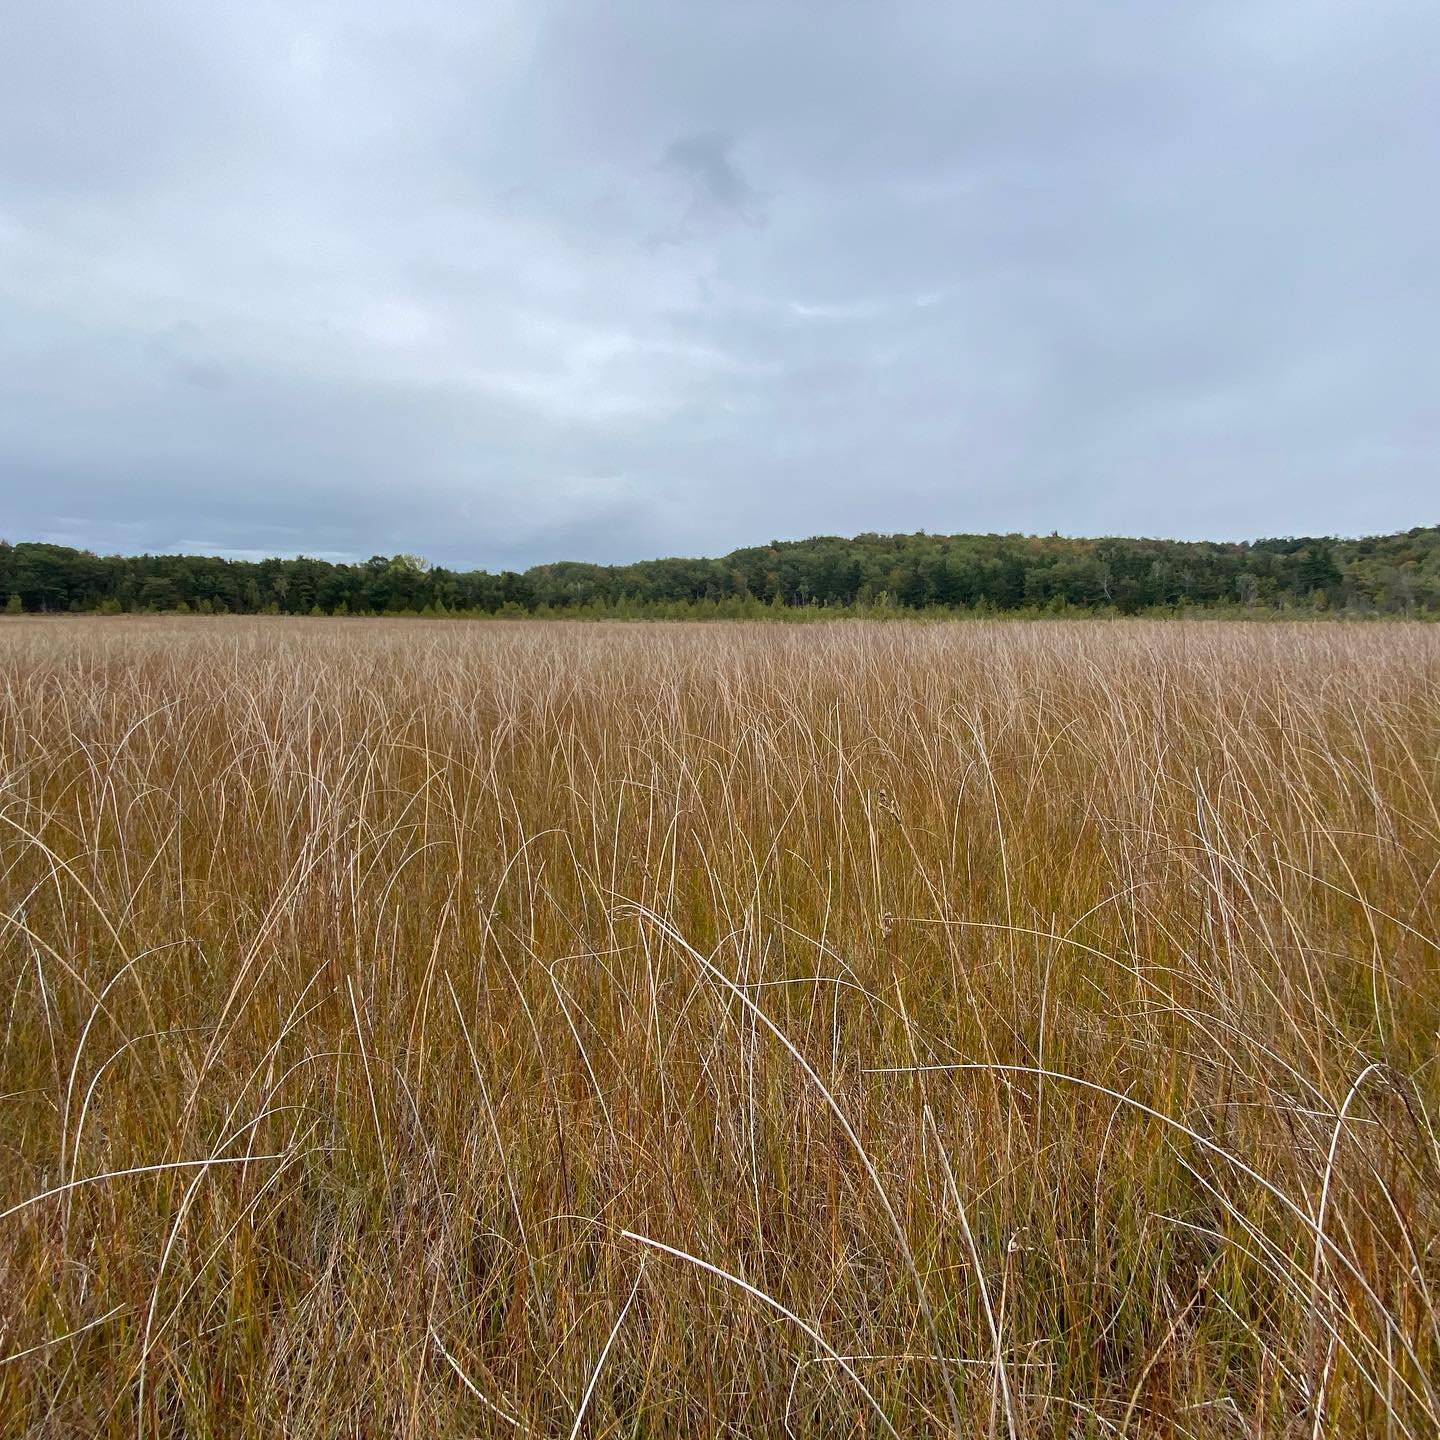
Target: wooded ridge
{"x": 1386, "y": 574}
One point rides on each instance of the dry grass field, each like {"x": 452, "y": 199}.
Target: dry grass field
{"x": 448, "y": 1029}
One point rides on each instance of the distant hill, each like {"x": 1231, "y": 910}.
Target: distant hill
{"x": 1381, "y": 574}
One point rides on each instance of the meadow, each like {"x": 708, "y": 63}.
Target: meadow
{"x": 452, "y": 1029}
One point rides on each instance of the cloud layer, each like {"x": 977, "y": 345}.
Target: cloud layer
{"x": 506, "y": 282}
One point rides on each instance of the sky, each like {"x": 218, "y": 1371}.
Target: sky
{"x": 498, "y": 283}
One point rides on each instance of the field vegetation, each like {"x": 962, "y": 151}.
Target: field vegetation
{"x": 467, "y": 1029}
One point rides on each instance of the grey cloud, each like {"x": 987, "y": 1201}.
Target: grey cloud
{"x": 712, "y": 180}
{"x": 372, "y": 276}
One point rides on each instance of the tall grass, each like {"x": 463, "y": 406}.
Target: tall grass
{"x": 459, "y": 1029}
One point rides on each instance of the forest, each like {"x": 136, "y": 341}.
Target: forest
{"x": 1395, "y": 574}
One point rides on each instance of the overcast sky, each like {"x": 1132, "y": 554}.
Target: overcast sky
{"x": 500, "y": 283}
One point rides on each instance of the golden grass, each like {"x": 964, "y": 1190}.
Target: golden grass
{"x": 465, "y": 1029}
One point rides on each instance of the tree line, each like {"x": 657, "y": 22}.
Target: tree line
{"x": 1385, "y": 574}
